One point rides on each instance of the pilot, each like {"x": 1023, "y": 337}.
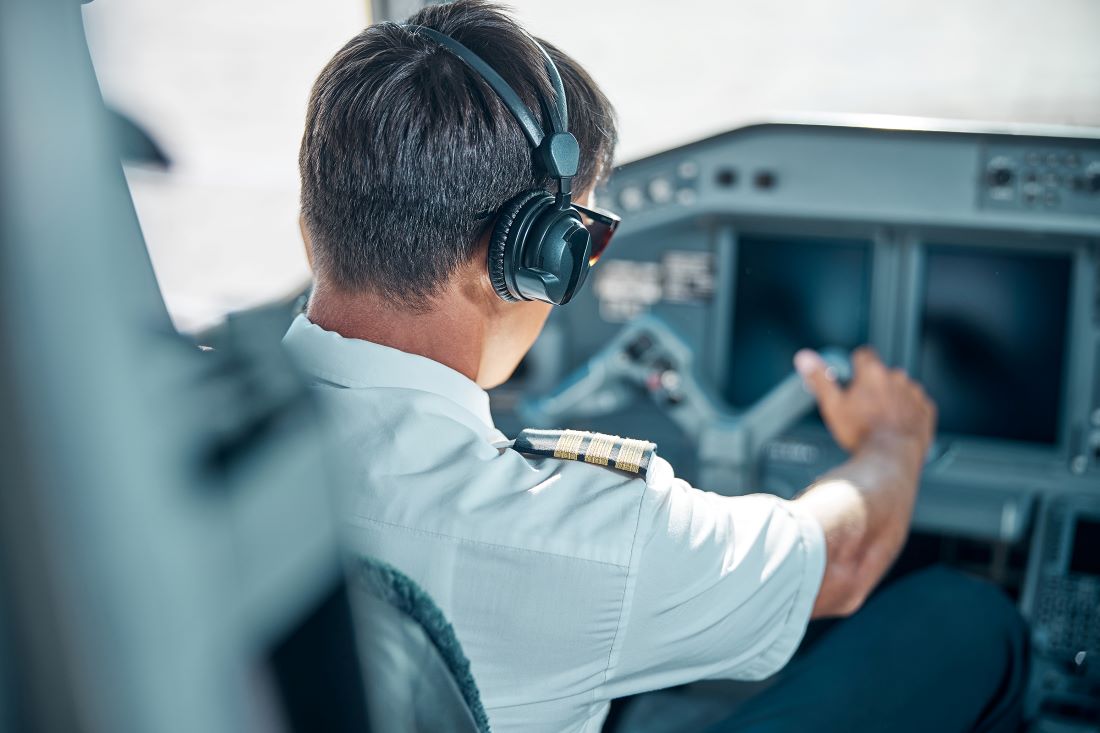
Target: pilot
{"x": 448, "y": 206}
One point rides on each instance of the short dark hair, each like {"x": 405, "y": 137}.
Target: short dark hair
{"x": 407, "y": 153}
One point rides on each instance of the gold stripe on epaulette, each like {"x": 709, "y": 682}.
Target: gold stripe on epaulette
{"x": 630, "y": 455}
{"x": 569, "y": 444}
{"x": 599, "y": 450}
{"x": 624, "y": 454}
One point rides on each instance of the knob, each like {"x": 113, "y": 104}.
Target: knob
{"x": 660, "y": 190}
{"x": 637, "y": 348}
{"x": 1000, "y": 177}
{"x": 726, "y": 177}
{"x": 764, "y": 180}
{"x": 688, "y": 170}
{"x": 665, "y": 384}
{"x": 686, "y": 196}
{"x": 631, "y": 198}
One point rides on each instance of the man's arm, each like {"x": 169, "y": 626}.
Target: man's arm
{"x": 886, "y": 421}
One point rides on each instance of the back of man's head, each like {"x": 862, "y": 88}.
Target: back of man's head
{"x": 408, "y": 154}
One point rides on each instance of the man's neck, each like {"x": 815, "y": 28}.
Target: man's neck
{"x": 451, "y": 333}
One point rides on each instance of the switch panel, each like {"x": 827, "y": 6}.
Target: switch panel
{"x": 1055, "y": 179}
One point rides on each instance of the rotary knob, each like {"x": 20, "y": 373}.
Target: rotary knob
{"x": 999, "y": 177}
{"x": 660, "y": 190}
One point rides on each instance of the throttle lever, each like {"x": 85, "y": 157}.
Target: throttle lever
{"x": 644, "y": 358}
{"x": 648, "y": 358}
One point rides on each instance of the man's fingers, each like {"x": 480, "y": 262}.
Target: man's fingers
{"x": 865, "y": 356}
{"x": 818, "y": 376}
{"x": 866, "y": 364}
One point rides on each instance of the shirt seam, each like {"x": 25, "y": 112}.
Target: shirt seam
{"x": 541, "y": 700}
{"x": 482, "y": 543}
{"x": 628, "y": 588}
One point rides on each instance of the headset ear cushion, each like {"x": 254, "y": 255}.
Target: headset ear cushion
{"x": 501, "y": 243}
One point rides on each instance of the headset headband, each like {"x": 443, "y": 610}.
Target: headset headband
{"x": 557, "y": 152}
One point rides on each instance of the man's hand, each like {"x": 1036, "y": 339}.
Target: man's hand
{"x": 886, "y": 421}
{"x": 879, "y": 402}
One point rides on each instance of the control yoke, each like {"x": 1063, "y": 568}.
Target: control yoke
{"x": 648, "y": 358}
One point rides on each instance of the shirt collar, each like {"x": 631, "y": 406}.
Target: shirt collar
{"x": 363, "y": 364}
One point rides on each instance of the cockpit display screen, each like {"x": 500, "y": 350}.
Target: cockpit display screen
{"x": 1085, "y": 557}
{"x": 993, "y": 341}
{"x": 792, "y": 294}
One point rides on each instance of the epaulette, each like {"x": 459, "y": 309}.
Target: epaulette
{"x": 625, "y": 454}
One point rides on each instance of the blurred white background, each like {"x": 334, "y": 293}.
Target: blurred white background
{"x": 222, "y": 86}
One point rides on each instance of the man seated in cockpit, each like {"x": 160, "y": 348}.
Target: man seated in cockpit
{"x": 447, "y": 207}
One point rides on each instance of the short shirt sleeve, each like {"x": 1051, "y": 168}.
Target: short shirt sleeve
{"x": 723, "y": 587}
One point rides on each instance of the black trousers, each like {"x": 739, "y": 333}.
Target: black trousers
{"x": 934, "y": 651}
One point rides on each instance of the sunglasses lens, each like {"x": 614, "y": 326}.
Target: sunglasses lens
{"x": 601, "y": 237}
{"x": 601, "y": 232}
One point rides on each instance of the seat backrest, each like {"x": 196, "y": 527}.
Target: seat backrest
{"x": 418, "y": 679}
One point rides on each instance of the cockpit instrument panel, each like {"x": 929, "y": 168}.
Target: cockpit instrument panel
{"x": 969, "y": 256}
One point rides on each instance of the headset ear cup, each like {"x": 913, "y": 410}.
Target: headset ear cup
{"x": 502, "y": 242}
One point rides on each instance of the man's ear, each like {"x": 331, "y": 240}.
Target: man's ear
{"x": 305, "y": 239}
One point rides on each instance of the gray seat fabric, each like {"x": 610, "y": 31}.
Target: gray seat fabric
{"x": 417, "y": 677}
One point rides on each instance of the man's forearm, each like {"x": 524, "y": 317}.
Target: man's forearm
{"x": 864, "y": 506}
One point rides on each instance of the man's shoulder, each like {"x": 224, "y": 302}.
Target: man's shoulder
{"x": 511, "y": 494}
{"x": 629, "y": 455}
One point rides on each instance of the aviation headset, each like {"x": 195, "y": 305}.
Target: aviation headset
{"x": 539, "y": 248}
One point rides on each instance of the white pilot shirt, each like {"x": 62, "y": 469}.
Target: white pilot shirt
{"x": 568, "y": 584}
